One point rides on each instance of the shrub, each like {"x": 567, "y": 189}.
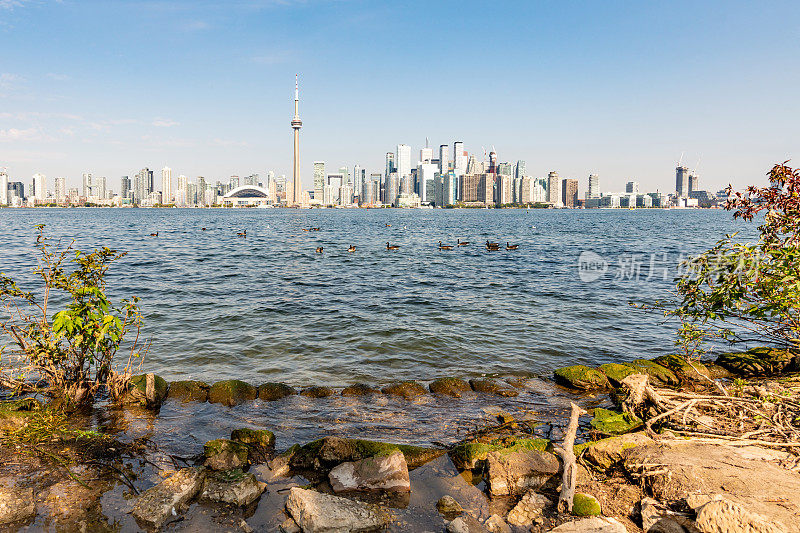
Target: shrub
{"x": 69, "y": 354}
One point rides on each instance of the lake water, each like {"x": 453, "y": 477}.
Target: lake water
{"x": 268, "y": 307}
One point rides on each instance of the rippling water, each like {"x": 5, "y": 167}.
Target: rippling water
{"x": 267, "y": 307}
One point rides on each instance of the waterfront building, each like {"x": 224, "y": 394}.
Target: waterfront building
{"x": 460, "y": 159}
{"x": 539, "y": 192}
{"x": 60, "y": 189}
{"x": 99, "y": 188}
{"x": 569, "y": 192}
{"x": 694, "y": 180}
{"x": 426, "y": 154}
{"x": 505, "y": 188}
{"x": 166, "y": 185}
{"x": 426, "y": 172}
{"x": 39, "y": 188}
{"x": 553, "y": 189}
{"x": 244, "y": 196}
{"x": 16, "y": 189}
{"x": 358, "y": 179}
{"x": 644, "y": 200}
{"x": 632, "y": 187}
{"x": 519, "y": 169}
{"x": 594, "y": 187}
{"x": 390, "y": 164}
{"x": 125, "y": 187}
{"x": 319, "y": 179}
{"x": 525, "y": 190}
{"x": 142, "y": 185}
{"x": 368, "y": 193}
{"x": 403, "y": 160}
{"x": 87, "y": 184}
{"x": 4, "y": 196}
{"x": 295, "y": 198}
{"x": 408, "y": 200}
{"x": 74, "y": 197}
{"x": 346, "y": 194}
{"x": 234, "y": 182}
{"x": 329, "y": 194}
{"x": 444, "y": 159}
{"x": 681, "y": 182}
{"x": 201, "y": 191}
{"x": 392, "y": 189}
{"x": 505, "y": 169}
{"x": 345, "y": 173}
{"x": 492, "y": 162}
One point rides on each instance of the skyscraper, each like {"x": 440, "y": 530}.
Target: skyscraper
{"x": 519, "y": 169}
{"x": 4, "y": 187}
{"x": 60, "y": 188}
{"x": 693, "y": 183}
{"x": 594, "y": 186}
{"x": 444, "y": 159}
{"x": 681, "y": 182}
{"x": 426, "y": 154}
{"x": 297, "y": 189}
{"x": 99, "y": 187}
{"x": 553, "y": 186}
{"x": 39, "y": 187}
{"x": 569, "y": 193}
{"x": 87, "y": 185}
{"x": 632, "y": 187}
{"x": 125, "y": 187}
{"x": 166, "y": 185}
{"x": 319, "y": 179}
{"x": 403, "y": 161}
{"x": 357, "y": 180}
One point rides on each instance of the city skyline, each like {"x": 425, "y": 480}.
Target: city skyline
{"x": 573, "y": 89}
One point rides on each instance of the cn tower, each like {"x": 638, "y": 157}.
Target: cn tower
{"x": 297, "y": 188}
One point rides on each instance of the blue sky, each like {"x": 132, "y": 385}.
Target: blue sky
{"x": 620, "y": 89}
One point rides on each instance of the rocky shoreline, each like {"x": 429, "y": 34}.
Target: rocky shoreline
{"x": 639, "y": 467}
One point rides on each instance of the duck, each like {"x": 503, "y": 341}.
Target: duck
{"x": 305, "y": 229}
{"x": 444, "y": 246}
{"x": 202, "y": 229}
{"x": 392, "y": 246}
{"x": 512, "y": 246}
{"x": 319, "y": 250}
{"x": 351, "y": 249}
{"x": 154, "y": 234}
{"x": 242, "y": 233}
{"x": 492, "y": 246}
{"x": 314, "y": 229}
{"x": 388, "y": 225}
{"x": 458, "y": 242}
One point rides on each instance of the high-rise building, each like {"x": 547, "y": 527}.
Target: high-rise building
{"x": 99, "y": 187}
{"x": 594, "y": 187}
{"x": 553, "y": 186}
{"x": 357, "y": 179}
{"x": 459, "y": 159}
{"x": 16, "y": 189}
{"x": 125, "y": 187}
{"x": 505, "y": 190}
{"x": 319, "y": 179}
{"x": 143, "y": 185}
{"x": 519, "y": 169}
{"x": 694, "y": 180}
{"x": 392, "y": 189}
{"x": 403, "y": 160}
{"x": 426, "y": 154}
{"x": 297, "y": 188}
{"x": 505, "y": 169}
{"x": 569, "y": 191}
{"x": 632, "y": 187}
{"x": 444, "y": 159}
{"x": 166, "y": 185}
{"x": 681, "y": 182}
{"x": 86, "y": 191}
{"x": 426, "y": 172}
{"x": 39, "y": 187}
{"x": 4, "y": 200}
{"x": 345, "y": 172}
{"x": 201, "y": 191}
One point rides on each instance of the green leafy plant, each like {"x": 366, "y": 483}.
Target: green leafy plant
{"x": 69, "y": 354}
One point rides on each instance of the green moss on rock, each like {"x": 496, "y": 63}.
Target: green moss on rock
{"x": 616, "y": 372}
{"x": 684, "y": 369}
{"x": 137, "y": 392}
{"x": 224, "y": 454}
{"x": 231, "y": 392}
{"x": 323, "y": 454}
{"x": 585, "y": 505}
{"x": 360, "y": 389}
{"x": 270, "y": 392}
{"x": 613, "y": 423}
{"x": 759, "y": 361}
{"x": 454, "y": 387}
{"x": 471, "y": 455}
{"x": 255, "y": 437}
{"x": 189, "y": 391}
{"x": 581, "y": 377}
{"x": 317, "y": 392}
{"x": 405, "y": 389}
{"x": 657, "y": 373}
{"x": 493, "y": 386}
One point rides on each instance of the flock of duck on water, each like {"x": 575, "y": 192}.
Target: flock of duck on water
{"x": 490, "y": 246}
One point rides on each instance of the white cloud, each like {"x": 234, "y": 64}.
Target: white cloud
{"x": 11, "y": 4}
{"x": 8, "y": 79}
{"x": 165, "y": 123}
{"x": 14, "y": 134}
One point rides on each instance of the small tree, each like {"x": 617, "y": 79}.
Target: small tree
{"x": 748, "y": 292}
{"x": 69, "y": 354}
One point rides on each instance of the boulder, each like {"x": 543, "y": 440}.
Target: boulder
{"x": 323, "y": 454}
{"x": 657, "y": 518}
{"x": 317, "y": 392}
{"x": 690, "y": 370}
{"x": 454, "y": 387}
{"x": 360, "y": 389}
{"x": 232, "y": 486}
{"x": 581, "y": 377}
{"x": 270, "y": 392}
{"x": 406, "y": 389}
{"x": 607, "y": 452}
{"x": 717, "y": 513}
{"x": 514, "y": 473}
{"x": 188, "y": 391}
{"x": 612, "y": 423}
{"x": 147, "y": 390}
{"x": 260, "y": 443}
{"x": 449, "y": 507}
{"x": 585, "y": 505}
{"x": 224, "y": 454}
{"x": 659, "y": 375}
{"x": 528, "y": 509}
{"x": 231, "y": 392}
{"x": 616, "y": 372}
{"x": 496, "y": 524}
{"x": 155, "y": 506}
{"x": 595, "y": 524}
{"x": 16, "y": 505}
{"x": 493, "y": 386}
{"x": 758, "y": 361}
{"x": 289, "y": 526}
{"x": 466, "y": 523}
{"x": 472, "y": 455}
{"x": 380, "y": 472}
{"x": 315, "y": 512}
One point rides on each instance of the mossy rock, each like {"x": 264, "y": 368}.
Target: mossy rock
{"x": 658, "y": 374}
{"x": 684, "y": 369}
{"x": 419, "y": 455}
{"x": 188, "y": 391}
{"x": 260, "y": 443}
{"x": 472, "y": 455}
{"x": 137, "y": 392}
{"x": 360, "y": 389}
{"x": 231, "y": 392}
{"x": 581, "y": 377}
{"x": 605, "y": 453}
{"x": 454, "y": 387}
{"x": 493, "y": 386}
{"x": 317, "y": 392}
{"x": 585, "y": 505}
{"x": 270, "y": 392}
{"x": 716, "y": 371}
{"x": 613, "y": 423}
{"x": 759, "y": 362}
{"x": 616, "y": 372}
{"x": 406, "y": 389}
{"x": 224, "y": 454}
{"x": 323, "y": 454}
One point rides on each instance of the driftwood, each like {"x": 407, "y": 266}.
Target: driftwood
{"x": 567, "y": 454}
